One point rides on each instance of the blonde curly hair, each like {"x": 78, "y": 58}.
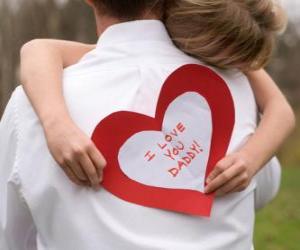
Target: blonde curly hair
{"x": 226, "y": 33}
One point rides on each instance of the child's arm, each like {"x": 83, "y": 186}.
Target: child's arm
{"x": 235, "y": 171}
{"x": 278, "y": 119}
{"x": 42, "y": 63}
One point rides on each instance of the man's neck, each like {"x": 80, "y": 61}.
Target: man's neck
{"x": 104, "y": 22}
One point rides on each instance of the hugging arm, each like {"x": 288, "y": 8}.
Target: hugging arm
{"x": 235, "y": 171}
{"x": 42, "y": 63}
{"x": 277, "y": 121}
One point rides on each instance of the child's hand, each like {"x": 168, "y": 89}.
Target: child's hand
{"x": 231, "y": 174}
{"x": 75, "y": 153}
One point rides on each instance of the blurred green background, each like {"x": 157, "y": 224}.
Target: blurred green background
{"x": 278, "y": 225}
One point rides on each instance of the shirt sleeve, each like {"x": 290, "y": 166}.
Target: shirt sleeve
{"x": 268, "y": 182}
{"x": 17, "y": 229}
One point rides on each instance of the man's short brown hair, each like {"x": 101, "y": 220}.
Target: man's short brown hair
{"x": 129, "y": 9}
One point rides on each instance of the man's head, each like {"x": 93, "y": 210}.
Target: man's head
{"x": 128, "y": 10}
{"x": 109, "y": 12}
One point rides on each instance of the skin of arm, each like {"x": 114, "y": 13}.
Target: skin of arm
{"x": 54, "y": 55}
{"x": 233, "y": 173}
{"x": 42, "y": 63}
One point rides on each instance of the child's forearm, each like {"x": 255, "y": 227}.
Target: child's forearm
{"x": 235, "y": 172}
{"x": 41, "y": 76}
{"x": 42, "y": 63}
{"x": 277, "y": 121}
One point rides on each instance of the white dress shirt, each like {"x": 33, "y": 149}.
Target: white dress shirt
{"x": 41, "y": 209}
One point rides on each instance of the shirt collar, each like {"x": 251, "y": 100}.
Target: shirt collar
{"x": 134, "y": 31}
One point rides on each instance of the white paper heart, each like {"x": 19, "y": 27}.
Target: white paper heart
{"x": 177, "y": 156}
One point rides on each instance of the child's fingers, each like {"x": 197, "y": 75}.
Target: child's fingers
{"x": 221, "y": 166}
{"x": 76, "y": 168}
{"x": 231, "y": 185}
{"x": 71, "y": 175}
{"x": 90, "y": 171}
{"x": 240, "y": 187}
{"x": 222, "y": 179}
{"x": 98, "y": 160}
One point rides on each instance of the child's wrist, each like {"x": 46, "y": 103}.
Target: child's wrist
{"x": 251, "y": 161}
{"x": 50, "y": 120}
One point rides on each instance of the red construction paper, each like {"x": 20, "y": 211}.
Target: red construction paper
{"x": 116, "y": 129}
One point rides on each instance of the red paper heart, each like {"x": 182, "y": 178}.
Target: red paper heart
{"x": 114, "y": 130}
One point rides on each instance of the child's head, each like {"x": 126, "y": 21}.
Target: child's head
{"x": 226, "y": 33}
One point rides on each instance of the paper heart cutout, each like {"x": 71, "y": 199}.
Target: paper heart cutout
{"x": 177, "y": 156}
{"x": 115, "y": 136}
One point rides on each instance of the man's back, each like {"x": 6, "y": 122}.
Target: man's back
{"x": 125, "y": 72}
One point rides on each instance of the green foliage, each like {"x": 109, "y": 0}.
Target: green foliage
{"x": 290, "y": 153}
{"x": 278, "y": 225}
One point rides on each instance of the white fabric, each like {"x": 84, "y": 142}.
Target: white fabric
{"x": 268, "y": 183}
{"x": 124, "y": 72}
